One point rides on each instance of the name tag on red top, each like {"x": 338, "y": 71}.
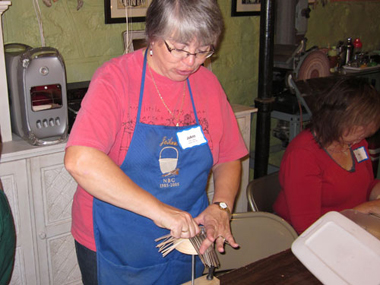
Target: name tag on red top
{"x": 191, "y": 137}
{"x": 360, "y": 154}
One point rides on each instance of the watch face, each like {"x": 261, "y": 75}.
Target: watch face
{"x": 223, "y": 205}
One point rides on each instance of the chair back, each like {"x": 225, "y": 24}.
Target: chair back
{"x": 262, "y": 192}
{"x": 259, "y": 235}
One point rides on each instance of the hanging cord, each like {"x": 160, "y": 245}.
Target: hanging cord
{"x": 39, "y": 19}
{"x": 127, "y": 41}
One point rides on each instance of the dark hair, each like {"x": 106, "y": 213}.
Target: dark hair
{"x": 184, "y": 21}
{"x": 350, "y": 102}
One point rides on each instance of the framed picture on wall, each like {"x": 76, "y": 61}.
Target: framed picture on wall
{"x": 116, "y": 11}
{"x": 245, "y": 8}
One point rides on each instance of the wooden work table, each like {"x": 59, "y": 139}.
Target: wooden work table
{"x": 280, "y": 268}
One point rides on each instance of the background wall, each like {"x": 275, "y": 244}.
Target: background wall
{"x": 86, "y": 42}
{"x": 340, "y": 20}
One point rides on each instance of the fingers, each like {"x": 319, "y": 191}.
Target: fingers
{"x": 216, "y": 222}
{"x": 185, "y": 231}
{"x": 205, "y": 245}
{"x": 189, "y": 230}
{"x": 217, "y": 225}
{"x": 223, "y": 239}
{"x": 219, "y": 236}
{"x": 220, "y": 242}
{"x": 182, "y": 225}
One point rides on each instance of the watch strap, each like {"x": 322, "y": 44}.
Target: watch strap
{"x": 223, "y": 206}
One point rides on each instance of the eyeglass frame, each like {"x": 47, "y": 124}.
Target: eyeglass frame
{"x": 187, "y": 54}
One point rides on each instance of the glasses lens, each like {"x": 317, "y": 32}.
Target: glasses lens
{"x": 179, "y": 53}
{"x": 203, "y": 55}
{"x": 184, "y": 54}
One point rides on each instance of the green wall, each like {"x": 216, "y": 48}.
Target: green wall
{"x": 340, "y": 20}
{"x": 86, "y": 42}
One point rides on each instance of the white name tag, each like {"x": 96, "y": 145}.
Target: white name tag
{"x": 191, "y": 137}
{"x": 360, "y": 154}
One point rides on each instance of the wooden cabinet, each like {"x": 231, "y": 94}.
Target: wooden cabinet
{"x": 40, "y": 193}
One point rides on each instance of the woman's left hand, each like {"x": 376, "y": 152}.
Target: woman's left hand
{"x": 370, "y": 207}
{"x": 215, "y": 220}
{"x": 217, "y": 225}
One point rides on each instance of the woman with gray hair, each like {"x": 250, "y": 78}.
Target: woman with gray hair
{"x": 152, "y": 126}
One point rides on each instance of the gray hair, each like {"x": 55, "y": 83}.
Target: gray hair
{"x": 184, "y": 21}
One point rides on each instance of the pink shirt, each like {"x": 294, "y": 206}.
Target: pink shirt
{"x": 107, "y": 119}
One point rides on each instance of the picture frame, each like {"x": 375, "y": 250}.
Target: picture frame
{"x": 245, "y": 8}
{"x": 115, "y": 12}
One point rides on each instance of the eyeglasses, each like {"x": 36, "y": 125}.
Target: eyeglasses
{"x": 182, "y": 54}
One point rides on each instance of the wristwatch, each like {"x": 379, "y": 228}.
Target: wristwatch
{"x": 223, "y": 206}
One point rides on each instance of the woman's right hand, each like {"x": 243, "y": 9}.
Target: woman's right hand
{"x": 97, "y": 173}
{"x": 180, "y": 223}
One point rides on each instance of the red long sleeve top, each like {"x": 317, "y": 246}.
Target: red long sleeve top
{"x": 313, "y": 183}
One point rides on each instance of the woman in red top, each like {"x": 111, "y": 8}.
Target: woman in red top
{"x": 327, "y": 166}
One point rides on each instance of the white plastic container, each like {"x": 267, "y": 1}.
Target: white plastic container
{"x": 336, "y": 250}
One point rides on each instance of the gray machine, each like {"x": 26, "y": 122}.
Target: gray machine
{"x": 37, "y": 93}
{"x": 292, "y": 63}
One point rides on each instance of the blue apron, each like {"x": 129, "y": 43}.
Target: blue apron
{"x": 125, "y": 241}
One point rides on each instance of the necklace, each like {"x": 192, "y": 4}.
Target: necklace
{"x": 175, "y": 119}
